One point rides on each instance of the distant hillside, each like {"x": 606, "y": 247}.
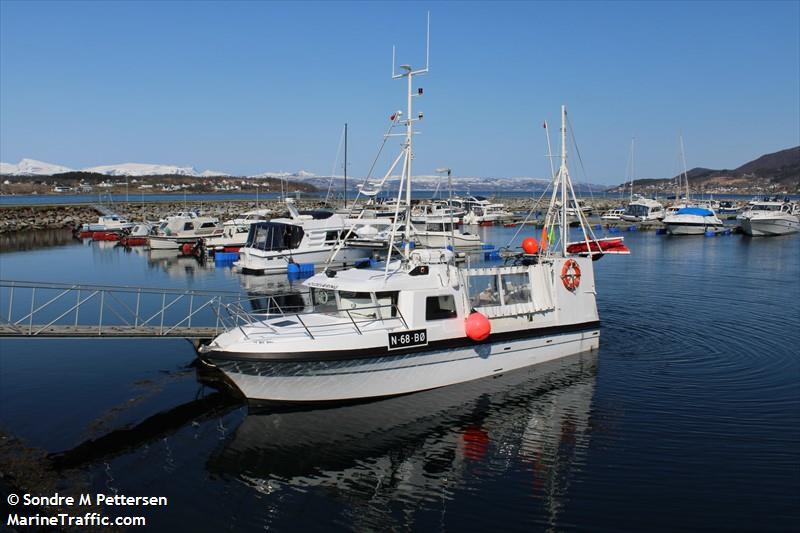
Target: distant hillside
{"x": 778, "y": 171}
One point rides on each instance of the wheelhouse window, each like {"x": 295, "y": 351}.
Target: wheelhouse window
{"x": 440, "y": 307}
{"x": 357, "y": 304}
{"x": 387, "y": 303}
{"x": 208, "y": 225}
{"x": 270, "y": 236}
{"x": 483, "y": 291}
{"x": 516, "y": 288}
{"x": 324, "y": 301}
{"x": 188, "y": 226}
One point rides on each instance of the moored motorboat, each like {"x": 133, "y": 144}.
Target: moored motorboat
{"x": 305, "y": 237}
{"x": 178, "y": 231}
{"x": 693, "y": 221}
{"x": 770, "y": 218}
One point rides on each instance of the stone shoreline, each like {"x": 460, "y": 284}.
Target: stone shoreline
{"x": 15, "y": 218}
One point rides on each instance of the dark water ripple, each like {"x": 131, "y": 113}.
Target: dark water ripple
{"x": 688, "y": 417}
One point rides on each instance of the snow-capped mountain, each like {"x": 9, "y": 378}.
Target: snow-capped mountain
{"x": 299, "y": 174}
{"x": 32, "y": 167}
{"x": 213, "y": 174}
{"x": 142, "y": 169}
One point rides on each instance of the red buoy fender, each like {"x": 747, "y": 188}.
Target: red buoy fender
{"x": 477, "y": 327}
{"x": 186, "y": 248}
{"x": 530, "y": 246}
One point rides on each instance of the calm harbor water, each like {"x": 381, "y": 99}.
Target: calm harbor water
{"x": 687, "y": 417}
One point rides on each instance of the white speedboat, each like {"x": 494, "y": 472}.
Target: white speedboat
{"x": 485, "y": 213}
{"x": 418, "y": 323}
{"x": 692, "y": 221}
{"x": 110, "y": 223}
{"x": 612, "y": 215}
{"x": 178, "y": 231}
{"x": 765, "y": 218}
{"x": 306, "y": 237}
{"x": 442, "y": 231}
{"x": 642, "y": 209}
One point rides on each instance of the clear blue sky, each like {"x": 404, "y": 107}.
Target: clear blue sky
{"x": 254, "y": 86}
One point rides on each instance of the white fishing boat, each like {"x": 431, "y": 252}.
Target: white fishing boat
{"x": 769, "y": 218}
{"x": 419, "y": 322}
{"x": 178, "y": 231}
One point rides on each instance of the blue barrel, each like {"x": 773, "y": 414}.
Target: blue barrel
{"x": 293, "y": 268}
{"x": 307, "y": 268}
{"x": 222, "y": 257}
{"x": 487, "y": 246}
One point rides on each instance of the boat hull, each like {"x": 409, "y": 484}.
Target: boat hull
{"x": 692, "y": 229}
{"x": 279, "y": 262}
{"x": 769, "y": 227}
{"x": 170, "y": 243}
{"x": 372, "y": 377}
{"x": 443, "y": 239}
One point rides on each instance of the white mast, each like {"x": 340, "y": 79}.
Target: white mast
{"x": 408, "y": 72}
{"x": 563, "y": 177}
{"x": 685, "y": 172}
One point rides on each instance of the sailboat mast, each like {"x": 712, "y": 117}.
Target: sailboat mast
{"x": 633, "y": 164}
{"x": 685, "y": 172}
{"x": 345, "y": 165}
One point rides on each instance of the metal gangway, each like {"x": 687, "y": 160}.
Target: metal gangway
{"x": 34, "y": 309}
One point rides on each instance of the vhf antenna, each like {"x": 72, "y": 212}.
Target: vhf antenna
{"x": 395, "y": 74}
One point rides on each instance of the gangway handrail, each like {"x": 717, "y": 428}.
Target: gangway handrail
{"x": 115, "y": 288}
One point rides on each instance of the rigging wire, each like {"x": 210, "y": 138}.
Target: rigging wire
{"x": 335, "y": 166}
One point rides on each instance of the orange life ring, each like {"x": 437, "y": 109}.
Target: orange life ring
{"x": 571, "y": 275}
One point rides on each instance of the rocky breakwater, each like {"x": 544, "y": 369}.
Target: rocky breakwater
{"x": 223, "y": 210}
{"x": 38, "y": 217}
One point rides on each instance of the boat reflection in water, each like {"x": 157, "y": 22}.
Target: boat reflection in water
{"x": 414, "y": 453}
